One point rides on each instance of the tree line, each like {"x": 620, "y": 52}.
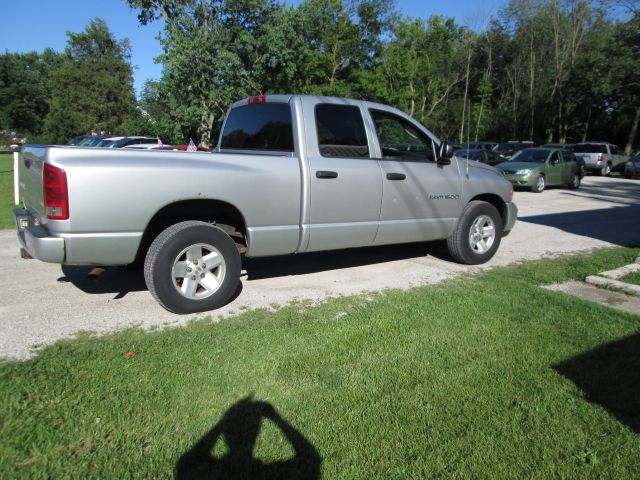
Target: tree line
{"x": 542, "y": 70}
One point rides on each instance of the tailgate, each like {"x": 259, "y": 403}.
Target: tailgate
{"x": 30, "y": 167}
{"x": 589, "y": 158}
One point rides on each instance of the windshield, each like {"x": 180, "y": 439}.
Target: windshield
{"x": 464, "y": 153}
{"x": 531, "y": 155}
{"x": 505, "y": 147}
{"x": 590, "y": 148}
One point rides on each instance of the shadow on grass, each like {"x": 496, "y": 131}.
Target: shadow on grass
{"x": 610, "y": 377}
{"x": 239, "y": 428}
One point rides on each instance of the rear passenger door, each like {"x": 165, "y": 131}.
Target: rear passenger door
{"x": 570, "y": 166}
{"x": 617, "y": 156}
{"x": 345, "y": 183}
{"x": 421, "y": 199}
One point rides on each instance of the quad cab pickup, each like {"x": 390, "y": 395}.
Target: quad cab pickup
{"x": 290, "y": 174}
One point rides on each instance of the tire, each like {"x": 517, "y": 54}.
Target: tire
{"x": 174, "y": 272}
{"x": 605, "y": 171}
{"x": 541, "y": 183}
{"x": 575, "y": 183}
{"x": 471, "y": 242}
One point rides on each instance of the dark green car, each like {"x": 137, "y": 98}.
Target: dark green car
{"x": 538, "y": 168}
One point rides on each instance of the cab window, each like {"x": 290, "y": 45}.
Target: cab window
{"x": 264, "y": 126}
{"x": 341, "y": 131}
{"x": 400, "y": 140}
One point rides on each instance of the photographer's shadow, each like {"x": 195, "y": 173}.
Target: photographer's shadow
{"x": 239, "y": 428}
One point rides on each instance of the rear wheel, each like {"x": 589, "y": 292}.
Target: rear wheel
{"x": 477, "y": 235}
{"x": 192, "y": 267}
{"x": 606, "y": 170}
{"x": 539, "y": 186}
{"x": 575, "y": 183}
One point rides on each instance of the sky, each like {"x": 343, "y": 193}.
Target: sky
{"x": 49, "y": 20}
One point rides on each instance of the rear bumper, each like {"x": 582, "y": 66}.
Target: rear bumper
{"x": 511, "y": 214}
{"x": 103, "y": 248}
{"x": 36, "y": 240}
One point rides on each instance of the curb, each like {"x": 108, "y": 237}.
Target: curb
{"x": 610, "y": 278}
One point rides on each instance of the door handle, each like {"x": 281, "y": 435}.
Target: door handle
{"x": 396, "y": 176}
{"x": 326, "y": 174}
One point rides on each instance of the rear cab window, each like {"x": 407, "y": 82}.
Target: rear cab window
{"x": 263, "y": 126}
{"x": 341, "y": 131}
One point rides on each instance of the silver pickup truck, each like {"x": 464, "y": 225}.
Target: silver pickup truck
{"x": 290, "y": 174}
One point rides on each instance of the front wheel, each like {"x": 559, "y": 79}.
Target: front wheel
{"x": 192, "y": 267}
{"x": 477, "y": 235}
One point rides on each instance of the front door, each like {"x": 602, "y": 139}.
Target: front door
{"x": 421, "y": 199}
{"x": 556, "y": 167}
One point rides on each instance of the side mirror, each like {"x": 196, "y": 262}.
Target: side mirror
{"x": 445, "y": 152}
{"x": 554, "y": 161}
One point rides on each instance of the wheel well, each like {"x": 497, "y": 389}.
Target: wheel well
{"x": 496, "y": 201}
{"x": 217, "y": 212}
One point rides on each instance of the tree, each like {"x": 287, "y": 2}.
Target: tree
{"x": 24, "y": 90}
{"x": 216, "y": 51}
{"x": 344, "y": 39}
{"x": 93, "y": 87}
{"x": 623, "y": 68}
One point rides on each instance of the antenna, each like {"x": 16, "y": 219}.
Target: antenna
{"x": 468, "y": 139}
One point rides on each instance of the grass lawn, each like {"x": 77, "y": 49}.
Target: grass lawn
{"x": 633, "y": 277}
{"x": 480, "y": 377}
{"x": 6, "y": 190}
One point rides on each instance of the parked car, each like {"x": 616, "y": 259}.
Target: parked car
{"x": 582, "y": 166}
{"x": 537, "y": 168}
{"x": 601, "y": 158}
{"x": 484, "y": 145}
{"x": 92, "y": 140}
{"x": 480, "y": 155}
{"x": 108, "y": 141}
{"x": 77, "y": 140}
{"x": 566, "y": 146}
{"x": 290, "y": 174}
{"x": 146, "y": 146}
{"x": 632, "y": 167}
{"x": 507, "y": 149}
{"x": 126, "y": 141}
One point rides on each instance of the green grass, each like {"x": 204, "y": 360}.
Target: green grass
{"x": 633, "y": 277}
{"x": 6, "y": 190}
{"x": 487, "y": 376}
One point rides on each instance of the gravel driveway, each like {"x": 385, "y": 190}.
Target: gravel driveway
{"x": 41, "y": 303}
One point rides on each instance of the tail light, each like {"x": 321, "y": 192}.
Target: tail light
{"x": 56, "y": 194}
{"x": 599, "y": 157}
